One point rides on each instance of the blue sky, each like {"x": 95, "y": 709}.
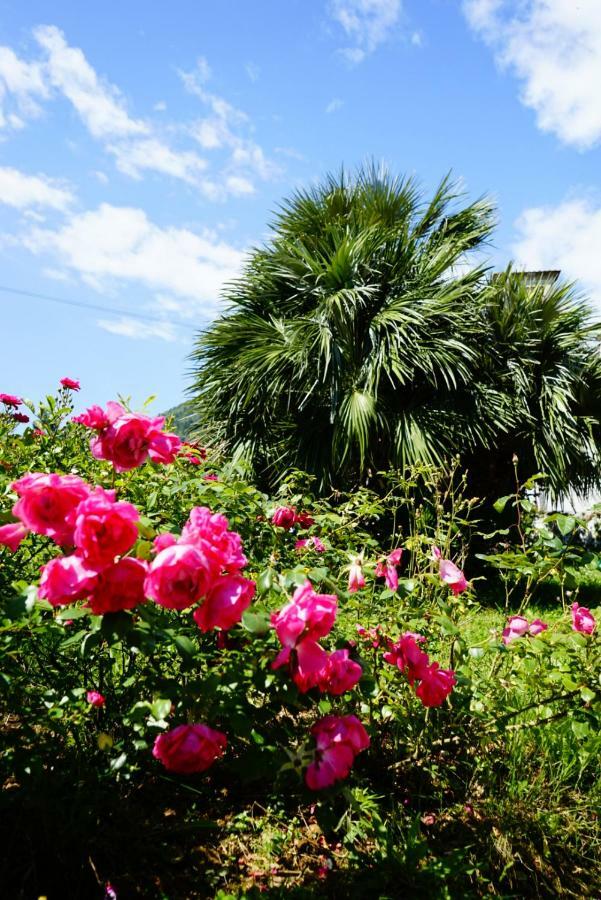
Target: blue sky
{"x": 143, "y": 147}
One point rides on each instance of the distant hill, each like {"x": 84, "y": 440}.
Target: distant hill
{"x": 184, "y": 419}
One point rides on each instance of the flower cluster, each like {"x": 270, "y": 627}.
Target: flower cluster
{"x": 518, "y": 626}
{"x": 433, "y": 683}
{"x": 299, "y": 625}
{"x": 338, "y": 740}
{"x": 127, "y": 439}
{"x": 204, "y": 562}
{"x": 287, "y": 517}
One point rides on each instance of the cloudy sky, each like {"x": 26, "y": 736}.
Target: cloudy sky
{"x": 144, "y": 146}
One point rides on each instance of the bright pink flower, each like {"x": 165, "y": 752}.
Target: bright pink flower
{"x": 340, "y": 673}
{"x": 12, "y": 534}
{"x": 121, "y": 586}
{"x": 126, "y": 442}
{"x": 284, "y": 517}
{"x": 582, "y": 619}
{"x": 339, "y": 739}
{"x": 210, "y": 532}
{"x": 450, "y": 573}
{"x": 308, "y": 616}
{"x": 10, "y": 400}
{"x": 407, "y": 656}
{"x": 537, "y": 626}
{"x": 94, "y": 417}
{"x": 179, "y": 576}
{"x": 189, "y": 748}
{"x": 65, "y": 580}
{"x": 70, "y": 383}
{"x": 39, "y": 433}
{"x": 20, "y": 417}
{"x": 164, "y": 540}
{"x": 310, "y": 543}
{"x": 307, "y": 663}
{"x": 387, "y": 569}
{"x": 356, "y": 578}
{"x": 210, "y": 476}
{"x": 104, "y": 528}
{"x": 394, "y": 558}
{"x": 95, "y": 698}
{"x": 225, "y": 603}
{"x": 436, "y": 685}
{"x": 517, "y": 626}
{"x": 48, "y": 504}
{"x": 164, "y": 447}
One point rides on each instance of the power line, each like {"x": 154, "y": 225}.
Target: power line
{"x": 96, "y": 307}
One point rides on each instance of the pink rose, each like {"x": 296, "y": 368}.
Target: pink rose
{"x": 537, "y": 627}
{"x": 308, "y": 616}
{"x": 304, "y": 520}
{"x": 12, "y": 534}
{"x": 179, "y": 576}
{"x": 582, "y": 619}
{"x": 10, "y": 400}
{"x": 407, "y": 656}
{"x": 95, "y": 698}
{"x": 284, "y": 517}
{"x": 189, "y": 748}
{"x": 121, "y": 586}
{"x": 126, "y": 442}
{"x": 20, "y": 417}
{"x": 307, "y": 662}
{"x": 164, "y": 448}
{"x": 104, "y": 528}
{"x": 164, "y": 540}
{"x": 65, "y": 580}
{"x": 339, "y": 739}
{"x": 436, "y": 685}
{"x": 356, "y": 578}
{"x": 210, "y": 531}
{"x": 48, "y": 504}
{"x": 70, "y": 383}
{"x": 210, "y": 476}
{"x": 340, "y": 673}
{"x": 310, "y": 543}
{"x": 450, "y": 573}
{"x": 517, "y": 626}
{"x": 225, "y": 603}
{"x": 94, "y": 418}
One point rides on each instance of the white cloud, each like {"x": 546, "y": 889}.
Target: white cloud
{"x": 120, "y": 244}
{"x": 24, "y": 83}
{"x": 566, "y": 237}
{"x": 100, "y": 105}
{"x": 368, "y": 23}
{"x": 22, "y": 191}
{"x": 150, "y": 153}
{"x": 334, "y": 105}
{"x": 160, "y": 106}
{"x": 554, "y": 48}
{"x": 138, "y": 330}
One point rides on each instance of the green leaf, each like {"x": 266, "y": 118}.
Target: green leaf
{"x": 500, "y": 504}
{"x": 256, "y": 623}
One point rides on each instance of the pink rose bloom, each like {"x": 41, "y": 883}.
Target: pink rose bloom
{"x": 189, "y": 748}
{"x": 340, "y": 673}
{"x": 162, "y": 541}
{"x": 284, "y": 517}
{"x": 210, "y": 476}
{"x": 48, "y": 504}
{"x": 225, "y": 603}
{"x": 408, "y": 658}
{"x": 70, "y": 383}
{"x": 10, "y": 400}
{"x": 164, "y": 448}
{"x": 356, "y": 578}
{"x": 312, "y": 542}
{"x": 582, "y": 619}
{"x": 12, "y": 534}
{"x": 517, "y": 626}
{"x": 179, "y": 576}
{"x": 537, "y": 626}
{"x": 436, "y": 685}
{"x": 450, "y": 573}
{"x": 20, "y": 417}
{"x": 126, "y": 442}
{"x": 307, "y": 663}
{"x": 95, "y": 698}
{"x": 210, "y": 531}
{"x": 387, "y": 569}
{"x": 94, "y": 417}
{"x": 339, "y": 739}
{"x": 104, "y": 528}
{"x": 65, "y": 580}
{"x": 121, "y": 586}
{"x": 304, "y": 520}
{"x": 308, "y": 616}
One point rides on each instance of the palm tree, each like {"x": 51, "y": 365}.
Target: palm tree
{"x": 363, "y": 337}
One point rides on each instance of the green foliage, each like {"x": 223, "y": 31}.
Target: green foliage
{"x": 491, "y": 793}
{"x": 363, "y": 336}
